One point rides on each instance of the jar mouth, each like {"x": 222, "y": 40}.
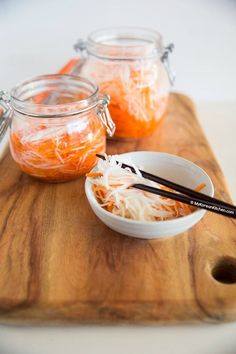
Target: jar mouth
{"x": 54, "y": 95}
{"x": 125, "y": 43}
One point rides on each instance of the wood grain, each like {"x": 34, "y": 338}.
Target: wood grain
{"x": 59, "y": 263}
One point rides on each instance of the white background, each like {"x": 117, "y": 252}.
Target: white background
{"x": 36, "y": 37}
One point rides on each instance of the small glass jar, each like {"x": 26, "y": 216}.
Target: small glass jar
{"x": 130, "y": 65}
{"x": 57, "y": 126}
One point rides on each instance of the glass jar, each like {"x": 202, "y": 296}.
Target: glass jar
{"x": 57, "y": 126}
{"x": 130, "y": 65}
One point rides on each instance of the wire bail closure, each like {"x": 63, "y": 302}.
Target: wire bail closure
{"x": 104, "y": 115}
{"x": 80, "y": 46}
{"x": 5, "y": 116}
{"x": 166, "y": 62}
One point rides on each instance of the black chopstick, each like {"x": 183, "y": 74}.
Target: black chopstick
{"x": 199, "y": 203}
{"x": 178, "y": 187}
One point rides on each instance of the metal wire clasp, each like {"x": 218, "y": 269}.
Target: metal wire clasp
{"x": 80, "y": 46}
{"x": 104, "y": 115}
{"x": 166, "y": 61}
{"x": 5, "y": 114}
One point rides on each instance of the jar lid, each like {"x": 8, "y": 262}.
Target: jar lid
{"x": 54, "y": 95}
{"x": 125, "y": 43}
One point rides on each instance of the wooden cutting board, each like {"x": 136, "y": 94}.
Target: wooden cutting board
{"x": 59, "y": 263}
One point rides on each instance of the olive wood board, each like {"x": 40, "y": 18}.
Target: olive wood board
{"x": 60, "y": 264}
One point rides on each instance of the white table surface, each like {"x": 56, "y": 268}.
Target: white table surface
{"x": 36, "y": 37}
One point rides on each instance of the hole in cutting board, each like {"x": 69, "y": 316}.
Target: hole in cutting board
{"x": 225, "y": 270}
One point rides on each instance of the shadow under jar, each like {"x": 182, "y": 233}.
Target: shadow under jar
{"x": 132, "y": 66}
{"x": 57, "y": 126}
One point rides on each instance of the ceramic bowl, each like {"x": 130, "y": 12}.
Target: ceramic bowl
{"x": 171, "y": 167}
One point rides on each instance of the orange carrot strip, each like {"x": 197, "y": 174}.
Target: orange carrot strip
{"x": 200, "y": 187}
{"x": 94, "y": 174}
{"x": 69, "y": 66}
{"x": 99, "y": 188}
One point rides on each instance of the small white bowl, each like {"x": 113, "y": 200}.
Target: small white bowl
{"x": 168, "y": 166}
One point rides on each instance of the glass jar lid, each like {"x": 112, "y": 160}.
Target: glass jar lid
{"x": 125, "y": 43}
{"x": 55, "y": 96}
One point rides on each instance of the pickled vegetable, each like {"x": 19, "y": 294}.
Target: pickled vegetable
{"x": 138, "y": 91}
{"x": 58, "y": 152}
{"x": 112, "y": 187}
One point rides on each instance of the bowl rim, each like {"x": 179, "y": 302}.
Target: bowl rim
{"x": 199, "y": 212}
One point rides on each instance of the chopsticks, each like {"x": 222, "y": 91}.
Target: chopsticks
{"x": 199, "y": 203}
{"x": 189, "y": 196}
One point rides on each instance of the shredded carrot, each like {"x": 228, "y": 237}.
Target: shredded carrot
{"x": 99, "y": 188}
{"x": 132, "y": 121}
{"x": 121, "y": 199}
{"x": 178, "y": 209}
{"x": 200, "y": 187}
{"x": 55, "y": 154}
{"x": 94, "y": 174}
{"x": 109, "y": 207}
{"x": 69, "y": 66}
{"x": 138, "y": 98}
